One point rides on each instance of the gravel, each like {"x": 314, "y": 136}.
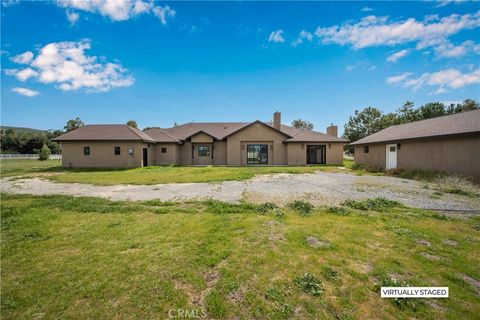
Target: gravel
{"x": 320, "y": 188}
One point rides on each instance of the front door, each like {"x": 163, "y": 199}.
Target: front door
{"x": 391, "y": 156}
{"x": 316, "y": 154}
{"x": 145, "y": 157}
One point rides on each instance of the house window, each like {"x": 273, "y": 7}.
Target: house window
{"x": 116, "y": 151}
{"x": 366, "y": 149}
{"x": 392, "y": 149}
{"x": 164, "y": 150}
{"x": 86, "y": 151}
{"x": 257, "y": 154}
{"x": 130, "y": 151}
{"x": 203, "y": 151}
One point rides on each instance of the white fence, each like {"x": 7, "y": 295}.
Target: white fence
{"x": 27, "y": 156}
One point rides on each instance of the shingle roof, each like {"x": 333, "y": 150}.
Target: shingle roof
{"x": 459, "y": 123}
{"x": 220, "y": 130}
{"x": 160, "y": 135}
{"x": 105, "y": 132}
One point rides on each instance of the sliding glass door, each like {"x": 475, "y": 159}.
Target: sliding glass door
{"x": 316, "y": 154}
{"x": 257, "y": 154}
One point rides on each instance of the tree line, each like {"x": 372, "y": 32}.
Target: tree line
{"x": 371, "y": 120}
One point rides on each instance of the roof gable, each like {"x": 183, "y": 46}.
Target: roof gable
{"x": 258, "y": 122}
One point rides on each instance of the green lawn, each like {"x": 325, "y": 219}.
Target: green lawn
{"x": 80, "y": 258}
{"x": 146, "y": 175}
{"x": 18, "y": 167}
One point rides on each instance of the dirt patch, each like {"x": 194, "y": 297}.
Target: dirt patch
{"x": 449, "y": 242}
{"x": 320, "y": 188}
{"x": 430, "y": 256}
{"x": 274, "y": 230}
{"x": 316, "y": 243}
{"x": 363, "y": 268}
{"x": 236, "y": 297}
{"x": 424, "y": 243}
{"x": 474, "y": 283}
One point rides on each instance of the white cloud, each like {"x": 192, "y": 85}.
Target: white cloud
{"x": 23, "y": 58}
{"x": 366, "y": 9}
{"x": 361, "y": 65}
{"x": 25, "y": 92}
{"x": 72, "y": 17}
{"x": 120, "y": 10}
{"x": 379, "y": 31}
{"x": 66, "y": 65}
{"x": 399, "y": 78}
{"x": 442, "y": 3}
{"x": 397, "y": 55}
{"x": 276, "y": 36}
{"x": 442, "y": 81}
{"x": 303, "y": 35}
{"x": 449, "y": 50}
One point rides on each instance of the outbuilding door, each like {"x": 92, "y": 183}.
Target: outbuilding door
{"x": 145, "y": 157}
{"x": 391, "y": 156}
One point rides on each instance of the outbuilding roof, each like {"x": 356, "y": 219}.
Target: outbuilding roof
{"x": 459, "y": 123}
{"x": 105, "y": 132}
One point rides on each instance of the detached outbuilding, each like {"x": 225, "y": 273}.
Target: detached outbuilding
{"x": 448, "y": 144}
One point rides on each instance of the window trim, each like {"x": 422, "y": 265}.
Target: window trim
{"x": 85, "y": 153}
{"x": 260, "y": 161}
{"x": 201, "y": 154}
{"x": 115, "y": 150}
{"x": 163, "y": 150}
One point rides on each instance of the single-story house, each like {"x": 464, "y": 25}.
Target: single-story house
{"x": 447, "y": 144}
{"x": 212, "y": 143}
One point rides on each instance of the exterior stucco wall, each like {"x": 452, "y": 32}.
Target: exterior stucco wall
{"x": 256, "y": 133}
{"x": 220, "y": 153}
{"x": 201, "y": 138}
{"x": 170, "y": 157}
{"x": 296, "y": 155}
{"x": 459, "y": 155}
{"x": 102, "y": 154}
{"x": 185, "y": 154}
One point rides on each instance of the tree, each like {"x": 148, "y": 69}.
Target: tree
{"x": 406, "y": 113}
{"x": 44, "y": 153}
{"x": 467, "y": 105}
{"x": 364, "y": 123}
{"x": 302, "y": 124}
{"x": 132, "y": 123}
{"x": 430, "y": 110}
{"x": 73, "y": 124}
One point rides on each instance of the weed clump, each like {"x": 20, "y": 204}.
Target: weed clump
{"x": 376, "y": 204}
{"x": 220, "y": 207}
{"x": 310, "y": 284}
{"x": 338, "y": 210}
{"x": 266, "y": 207}
{"x": 401, "y": 303}
{"x": 304, "y": 208}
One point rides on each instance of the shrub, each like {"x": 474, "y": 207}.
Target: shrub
{"x": 279, "y": 214}
{"x": 310, "y": 284}
{"x": 376, "y": 204}
{"x": 265, "y": 207}
{"x": 304, "y": 208}
{"x": 44, "y": 153}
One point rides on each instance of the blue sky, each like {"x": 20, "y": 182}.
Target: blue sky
{"x": 162, "y": 62}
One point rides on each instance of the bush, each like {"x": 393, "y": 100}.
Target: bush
{"x": 304, "y": 208}
{"x": 310, "y": 284}
{"x": 376, "y": 204}
{"x": 44, "y": 153}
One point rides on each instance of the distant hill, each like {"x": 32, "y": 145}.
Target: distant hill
{"x": 22, "y": 129}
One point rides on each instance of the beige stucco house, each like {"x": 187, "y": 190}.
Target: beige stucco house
{"x": 446, "y": 144}
{"x": 212, "y": 143}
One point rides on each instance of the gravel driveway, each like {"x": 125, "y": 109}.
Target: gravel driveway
{"x": 320, "y": 188}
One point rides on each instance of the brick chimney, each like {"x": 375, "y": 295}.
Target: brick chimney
{"x": 277, "y": 120}
{"x": 332, "y": 130}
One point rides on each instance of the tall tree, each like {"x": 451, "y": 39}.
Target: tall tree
{"x": 132, "y": 123}
{"x": 364, "y": 123}
{"x": 302, "y": 124}
{"x": 73, "y": 124}
{"x": 430, "y": 110}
